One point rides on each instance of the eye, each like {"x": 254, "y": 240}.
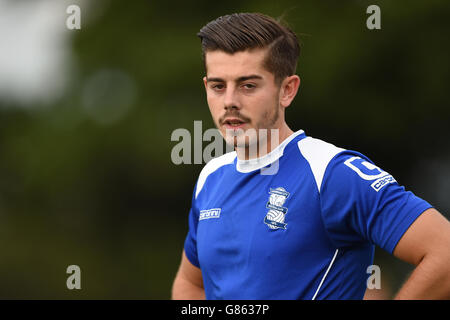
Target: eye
{"x": 249, "y": 86}
{"x": 218, "y": 87}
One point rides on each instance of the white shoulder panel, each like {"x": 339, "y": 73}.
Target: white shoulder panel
{"x": 212, "y": 166}
{"x": 318, "y": 153}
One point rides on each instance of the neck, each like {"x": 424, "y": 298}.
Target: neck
{"x": 264, "y": 144}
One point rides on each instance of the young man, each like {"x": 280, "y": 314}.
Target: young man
{"x": 299, "y": 220}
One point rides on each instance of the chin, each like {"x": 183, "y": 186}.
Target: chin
{"x": 241, "y": 141}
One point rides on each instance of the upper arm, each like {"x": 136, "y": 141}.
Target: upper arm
{"x": 429, "y": 233}
{"x": 189, "y": 272}
{"x": 362, "y": 203}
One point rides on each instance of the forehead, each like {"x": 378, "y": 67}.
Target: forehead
{"x": 231, "y": 66}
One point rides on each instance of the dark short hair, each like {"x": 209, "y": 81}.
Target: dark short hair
{"x": 242, "y": 31}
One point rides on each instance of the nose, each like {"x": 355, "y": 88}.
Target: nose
{"x": 231, "y": 100}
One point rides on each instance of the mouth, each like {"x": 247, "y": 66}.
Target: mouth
{"x": 234, "y": 123}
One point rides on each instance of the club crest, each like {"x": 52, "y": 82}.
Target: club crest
{"x": 275, "y": 216}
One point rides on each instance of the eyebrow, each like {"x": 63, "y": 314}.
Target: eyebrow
{"x": 240, "y": 79}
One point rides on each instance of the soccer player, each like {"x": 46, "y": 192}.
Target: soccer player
{"x": 301, "y": 219}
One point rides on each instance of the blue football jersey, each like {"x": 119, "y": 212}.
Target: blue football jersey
{"x": 298, "y": 223}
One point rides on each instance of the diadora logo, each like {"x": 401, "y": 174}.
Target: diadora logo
{"x": 209, "y": 214}
{"x": 369, "y": 171}
{"x": 276, "y": 214}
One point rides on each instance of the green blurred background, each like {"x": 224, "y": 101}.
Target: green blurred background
{"x": 86, "y": 117}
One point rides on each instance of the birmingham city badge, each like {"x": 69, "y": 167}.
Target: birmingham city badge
{"x": 275, "y": 216}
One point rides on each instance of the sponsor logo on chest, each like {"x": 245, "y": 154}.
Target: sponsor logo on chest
{"x": 210, "y": 214}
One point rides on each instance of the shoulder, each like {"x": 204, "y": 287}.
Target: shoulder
{"x": 212, "y": 166}
{"x": 318, "y": 154}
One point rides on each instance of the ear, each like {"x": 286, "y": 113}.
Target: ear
{"x": 205, "y": 82}
{"x": 289, "y": 89}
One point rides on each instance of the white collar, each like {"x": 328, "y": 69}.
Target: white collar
{"x": 246, "y": 166}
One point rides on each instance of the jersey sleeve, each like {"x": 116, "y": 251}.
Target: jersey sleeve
{"x": 362, "y": 203}
{"x": 190, "y": 244}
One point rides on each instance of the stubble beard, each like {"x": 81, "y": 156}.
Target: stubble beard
{"x": 245, "y": 141}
